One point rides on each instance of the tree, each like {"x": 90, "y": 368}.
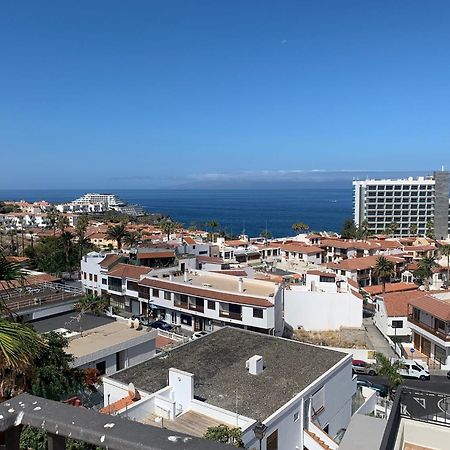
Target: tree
{"x": 117, "y": 233}
{"x": 225, "y": 435}
{"x": 80, "y": 233}
{"x": 424, "y": 272}
{"x": 385, "y": 270}
{"x": 9, "y": 272}
{"x": 167, "y": 227}
{"x": 362, "y": 232}
{"x": 300, "y": 227}
{"x": 445, "y": 250}
{"x": 389, "y": 370}
{"x": 266, "y": 234}
{"x": 429, "y": 232}
{"x": 66, "y": 239}
{"x": 349, "y": 229}
{"x": 52, "y": 217}
{"x": 91, "y": 303}
{"x": 413, "y": 229}
{"x": 212, "y": 225}
{"x": 392, "y": 229}
{"x": 132, "y": 238}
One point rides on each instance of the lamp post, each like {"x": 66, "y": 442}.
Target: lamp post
{"x": 260, "y": 430}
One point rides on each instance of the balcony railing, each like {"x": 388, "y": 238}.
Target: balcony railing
{"x": 115, "y": 288}
{"x": 230, "y": 315}
{"x": 60, "y": 421}
{"x": 438, "y": 333}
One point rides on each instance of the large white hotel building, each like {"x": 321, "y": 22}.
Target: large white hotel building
{"x": 404, "y": 201}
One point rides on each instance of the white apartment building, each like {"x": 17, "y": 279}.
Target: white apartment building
{"x": 110, "y": 200}
{"x": 200, "y": 300}
{"x": 410, "y": 201}
{"x": 301, "y": 393}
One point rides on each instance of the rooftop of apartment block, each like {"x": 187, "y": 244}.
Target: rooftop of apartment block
{"x": 218, "y": 362}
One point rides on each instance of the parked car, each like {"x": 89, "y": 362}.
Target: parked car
{"x": 359, "y": 366}
{"x": 199, "y": 334}
{"x": 413, "y": 369}
{"x": 161, "y": 325}
{"x": 381, "y": 389}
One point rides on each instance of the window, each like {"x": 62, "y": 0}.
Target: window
{"x": 272, "y": 441}
{"x": 186, "y": 320}
{"x": 132, "y": 286}
{"x": 258, "y": 313}
{"x": 211, "y": 304}
{"x": 397, "y": 324}
{"x": 155, "y": 293}
{"x": 296, "y": 416}
{"x": 84, "y": 275}
{"x": 318, "y": 402}
{"x": 90, "y": 277}
{"x": 104, "y": 281}
{"x": 167, "y": 295}
{"x": 95, "y": 278}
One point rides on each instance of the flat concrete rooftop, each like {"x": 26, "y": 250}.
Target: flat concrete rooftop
{"x": 103, "y": 337}
{"x": 228, "y": 283}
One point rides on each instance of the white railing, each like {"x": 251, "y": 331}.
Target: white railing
{"x": 172, "y": 336}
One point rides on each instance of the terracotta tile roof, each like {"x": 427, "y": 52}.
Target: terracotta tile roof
{"x": 236, "y": 273}
{"x": 301, "y": 248}
{"x": 109, "y": 260}
{"x": 236, "y": 243}
{"x": 396, "y": 303}
{"x": 210, "y": 259}
{"x": 117, "y": 405}
{"x": 391, "y": 287}
{"x": 189, "y": 240}
{"x": 366, "y": 262}
{"x": 345, "y": 244}
{"x": 17, "y": 259}
{"x": 129, "y": 271}
{"x": 206, "y": 293}
{"x": 320, "y": 273}
{"x": 155, "y": 255}
{"x": 29, "y": 281}
{"x": 419, "y": 248}
{"x": 437, "y": 307}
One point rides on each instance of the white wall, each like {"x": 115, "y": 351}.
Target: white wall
{"x": 321, "y": 311}
{"x": 384, "y": 323}
{"x": 182, "y": 384}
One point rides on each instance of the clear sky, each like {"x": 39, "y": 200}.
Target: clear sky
{"x": 150, "y": 93}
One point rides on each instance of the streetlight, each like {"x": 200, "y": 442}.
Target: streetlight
{"x": 260, "y": 430}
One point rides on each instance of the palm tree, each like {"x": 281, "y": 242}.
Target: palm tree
{"x": 80, "y": 233}
{"x": 9, "y": 273}
{"x": 429, "y": 233}
{"x": 425, "y": 270}
{"x": 213, "y": 225}
{"x": 392, "y": 228}
{"x": 445, "y": 250}
{"x": 413, "y": 229}
{"x": 132, "y": 238}
{"x": 389, "y": 370}
{"x": 363, "y": 230}
{"x": 266, "y": 235}
{"x": 167, "y": 227}
{"x": 52, "y": 217}
{"x": 117, "y": 233}
{"x": 300, "y": 227}
{"x": 66, "y": 238}
{"x": 384, "y": 269}
{"x": 62, "y": 223}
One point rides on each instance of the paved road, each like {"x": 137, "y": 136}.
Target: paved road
{"x": 376, "y": 340}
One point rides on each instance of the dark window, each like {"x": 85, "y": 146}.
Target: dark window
{"x": 84, "y": 275}
{"x": 258, "y": 313}
{"x": 144, "y": 292}
{"x": 272, "y": 441}
{"x": 186, "y": 320}
{"x": 101, "y": 367}
{"x": 155, "y": 293}
{"x": 95, "y": 278}
{"x": 104, "y": 281}
{"x": 167, "y": 295}
{"x": 132, "y": 286}
{"x": 211, "y": 304}
{"x": 397, "y": 324}
{"x": 90, "y": 277}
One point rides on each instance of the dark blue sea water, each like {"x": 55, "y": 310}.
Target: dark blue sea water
{"x": 321, "y": 206}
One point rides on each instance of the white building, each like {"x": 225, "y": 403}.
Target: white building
{"x": 300, "y": 392}
{"x": 201, "y": 300}
{"x": 410, "y": 201}
{"x": 111, "y": 201}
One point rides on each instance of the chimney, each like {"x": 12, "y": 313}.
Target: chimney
{"x": 255, "y": 365}
{"x": 186, "y": 276}
{"x": 170, "y": 276}
{"x": 241, "y": 285}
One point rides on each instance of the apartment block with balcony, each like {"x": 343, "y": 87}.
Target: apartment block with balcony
{"x": 429, "y": 321}
{"x": 411, "y": 201}
{"x": 201, "y": 300}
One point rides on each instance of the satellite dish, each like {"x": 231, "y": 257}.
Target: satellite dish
{"x": 131, "y": 391}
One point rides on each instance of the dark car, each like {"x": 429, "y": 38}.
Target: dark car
{"x": 448, "y": 374}
{"x": 381, "y": 389}
{"x": 161, "y": 325}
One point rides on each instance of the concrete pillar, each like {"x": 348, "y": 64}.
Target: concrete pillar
{"x": 56, "y": 442}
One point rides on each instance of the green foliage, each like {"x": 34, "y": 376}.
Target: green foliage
{"x": 384, "y": 269}
{"x": 389, "y": 370}
{"x": 6, "y": 209}
{"x": 33, "y": 438}
{"x": 424, "y": 272}
{"x": 167, "y": 227}
{"x": 300, "y": 227}
{"x": 429, "y": 233}
{"x": 54, "y": 378}
{"x": 349, "y": 229}
{"x": 225, "y": 435}
{"x": 413, "y": 229}
{"x": 266, "y": 234}
{"x": 392, "y": 228}
{"x": 117, "y": 233}
{"x": 92, "y": 303}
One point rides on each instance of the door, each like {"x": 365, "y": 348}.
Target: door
{"x": 144, "y": 309}
{"x": 198, "y": 323}
{"x": 417, "y": 341}
{"x": 121, "y": 360}
{"x": 426, "y": 347}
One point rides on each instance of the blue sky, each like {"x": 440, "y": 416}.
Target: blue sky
{"x": 150, "y": 93}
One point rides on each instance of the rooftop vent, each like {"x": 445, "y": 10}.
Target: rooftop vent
{"x": 255, "y": 365}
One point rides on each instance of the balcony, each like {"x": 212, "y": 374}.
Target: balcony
{"x": 441, "y": 334}
{"x": 230, "y": 315}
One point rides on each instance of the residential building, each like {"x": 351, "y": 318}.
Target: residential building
{"x": 299, "y": 252}
{"x": 200, "y": 300}
{"x": 429, "y": 320}
{"x": 299, "y": 392}
{"x": 407, "y": 202}
{"x": 110, "y": 200}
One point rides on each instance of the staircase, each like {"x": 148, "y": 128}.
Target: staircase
{"x": 319, "y": 444}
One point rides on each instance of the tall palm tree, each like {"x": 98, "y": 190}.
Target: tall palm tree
{"x": 167, "y": 227}
{"x": 80, "y": 233}
{"x": 445, "y": 250}
{"x": 132, "y": 238}
{"x": 413, "y": 229}
{"x": 213, "y": 225}
{"x": 392, "y": 228}
{"x": 425, "y": 270}
{"x": 52, "y": 217}
{"x": 66, "y": 238}
{"x": 384, "y": 269}
{"x": 300, "y": 227}
{"x": 429, "y": 233}
{"x": 389, "y": 370}
{"x": 117, "y": 233}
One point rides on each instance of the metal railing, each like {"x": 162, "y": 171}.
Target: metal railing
{"x": 115, "y": 433}
{"x": 440, "y": 334}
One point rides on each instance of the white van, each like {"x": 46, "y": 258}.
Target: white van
{"x": 413, "y": 369}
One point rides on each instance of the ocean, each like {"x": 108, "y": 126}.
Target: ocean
{"x": 321, "y": 206}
